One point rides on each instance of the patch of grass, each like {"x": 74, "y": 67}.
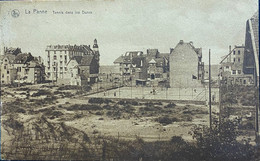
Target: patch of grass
{"x": 83, "y": 107}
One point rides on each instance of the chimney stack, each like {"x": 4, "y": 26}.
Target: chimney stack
{"x": 229, "y": 48}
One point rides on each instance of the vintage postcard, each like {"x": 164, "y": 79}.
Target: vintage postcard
{"x": 138, "y": 80}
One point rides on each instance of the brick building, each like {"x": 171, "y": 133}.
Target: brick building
{"x": 186, "y": 67}
{"x": 157, "y": 67}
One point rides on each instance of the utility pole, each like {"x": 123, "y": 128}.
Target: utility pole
{"x": 220, "y": 99}
{"x": 210, "y": 117}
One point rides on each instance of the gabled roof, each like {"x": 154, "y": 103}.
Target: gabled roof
{"x": 13, "y": 51}
{"x": 119, "y": 60}
{"x": 182, "y": 46}
{"x": 152, "y": 61}
{"x": 23, "y": 58}
{"x": 86, "y": 60}
{"x": 10, "y": 57}
{"x": 83, "y": 60}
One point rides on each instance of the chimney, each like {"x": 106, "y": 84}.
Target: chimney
{"x": 191, "y": 43}
{"x": 229, "y": 48}
{"x": 181, "y": 42}
{"x": 171, "y": 49}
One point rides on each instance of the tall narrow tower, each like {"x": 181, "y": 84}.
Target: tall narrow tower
{"x": 95, "y": 46}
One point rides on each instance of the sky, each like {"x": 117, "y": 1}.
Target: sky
{"x": 122, "y": 25}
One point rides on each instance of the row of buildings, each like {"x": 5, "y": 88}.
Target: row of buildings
{"x": 181, "y": 67}
{"x": 18, "y": 67}
{"x": 65, "y": 64}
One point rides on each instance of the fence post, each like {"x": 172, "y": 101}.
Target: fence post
{"x": 104, "y": 151}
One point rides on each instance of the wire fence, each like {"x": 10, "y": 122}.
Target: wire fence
{"x": 160, "y": 93}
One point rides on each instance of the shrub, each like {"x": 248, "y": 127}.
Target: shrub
{"x": 99, "y": 100}
{"x": 83, "y": 107}
{"x": 41, "y": 92}
{"x": 98, "y": 113}
{"x": 221, "y": 139}
{"x": 130, "y": 102}
{"x": 170, "y": 105}
{"x": 165, "y": 120}
{"x": 70, "y": 87}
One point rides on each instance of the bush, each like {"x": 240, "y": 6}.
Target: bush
{"x": 41, "y": 92}
{"x": 215, "y": 141}
{"x": 20, "y": 110}
{"x": 83, "y": 107}
{"x": 165, "y": 120}
{"x": 98, "y": 113}
{"x": 130, "y": 102}
{"x": 99, "y": 100}
{"x": 70, "y": 87}
{"x": 170, "y": 105}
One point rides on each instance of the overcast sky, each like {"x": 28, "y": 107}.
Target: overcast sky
{"x": 128, "y": 25}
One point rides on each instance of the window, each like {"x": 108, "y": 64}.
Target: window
{"x": 239, "y": 71}
{"x": 234, "y": 59}
{"x": 26, "y": 71}
{"x": 7, "y": 72}
{"x": 5, "y": 60}
{"x": 49, "y": 74}
{"x": 54, "y": 52}
{"x": 48, "y": 54}
{"x": 60, "y": 68}
{"x": 244, "y": 81}
{"x": 238, "y": 59}
{"x": 3, "y": 75}
{"x": 234, "y": 52}
{"x": 54, "y": 69}
{"x": 5, "y": 67}
{"x": 19, "y": 69}
{"x": 61, "y": 56}
{"x": 3, "y": 81}
{"x": 238, "y": 52}
{"x": 49, "y": 68}
{"x": 234, "y": 72}
{"x": 227, "y": 67}
{"x": 60, "y": 62}
{"x": 65, "y": 68}
{"x": 55, "y": 57}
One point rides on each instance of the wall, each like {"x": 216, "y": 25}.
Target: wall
{"x": 183, "y": 64}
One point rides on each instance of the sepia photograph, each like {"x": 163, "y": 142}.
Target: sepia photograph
{"x": 138, "y": 80}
